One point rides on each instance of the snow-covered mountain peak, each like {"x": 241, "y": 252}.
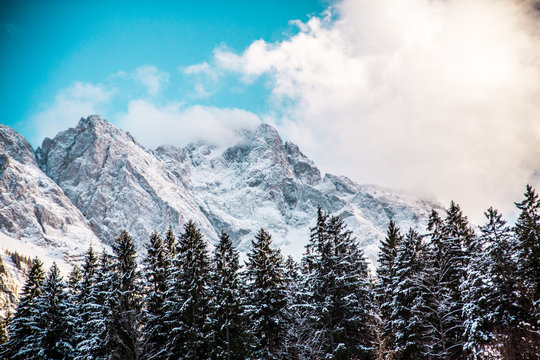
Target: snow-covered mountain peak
{"x": 34, "y": 211}
{"x": 117, "y": 183}
{"x": 16, "y": 146}
{"x": 260, "y": 181}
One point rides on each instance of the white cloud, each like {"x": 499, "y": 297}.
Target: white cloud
{"x": 151, "y": 77}
{"x": 437, "y": 96}
{"x": 173, "y": 124}
{"x": 79, "y": 99}
{"x": 202, "y": 68}
{"x": 206, "y": 79}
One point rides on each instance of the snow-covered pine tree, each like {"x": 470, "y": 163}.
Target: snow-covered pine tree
{"x": 526, "y": 336}
{"x": 74, "y": 287}
{"x": 124, "y": 305}
{"x": 295, "y": 342}
{"x": 19, "y": 329}
{"x": 338, "y": 299}
{"x": 267, "y": 297}
{"x": 157, "y": 267}
{"x": 435, "y": 307}
{"x": 407, "y": 289}
{"x": 316, "y": 291}
{"x": 450, "y": 248}
{"x": 353, "y": 310}
{"x": 170, "y": 244}
{"x": 187, "y": 298}
{"x": 74, "y": 281}
{"x": 96, "y": 312}
{"x": 52, "y": 331}
{"x": 89, "y": 308}
{"x": 489, "y": 289}
{"x": 229, "y": 336}
{"x": 386, "y": 271}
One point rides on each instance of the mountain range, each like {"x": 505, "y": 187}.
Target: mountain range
{"x": 90, "y": 181}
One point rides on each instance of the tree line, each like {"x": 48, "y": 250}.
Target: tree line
{"x": 448, "y": 293}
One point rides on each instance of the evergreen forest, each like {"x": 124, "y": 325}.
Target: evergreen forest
{"x": 450, "y": 291}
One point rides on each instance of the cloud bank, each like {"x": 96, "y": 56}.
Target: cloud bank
{"x": 155, "y": 125}
{"x": 440, "y": 97}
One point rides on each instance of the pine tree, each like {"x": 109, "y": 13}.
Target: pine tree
{"x": 386, "y": 272}
{"x": 3, "y": 330}
{"x": 74, "y": 288}
{"x": 407, "y": 288}
{"x": 316, "y": 291}
{"x": 90, "y": 306}
{"x": 52, "y": 331}
{"x": 295, "y": 343}
{"x": 187, "y": 298}
{"x": 74, "y": 281}
{"x": 19, "y": 329}
{"x": 157, "y": 267}
{"x": 489, "y": 290}
{"x": 122, "y": 324}
{"x": 526, "y": 335}
{"x": 339, "y": 297}
{"x": 229, "y": 328}
{"x": 170, "y": 244}
{"x": 450, "y": 250}
{"x": 267, "y": 296}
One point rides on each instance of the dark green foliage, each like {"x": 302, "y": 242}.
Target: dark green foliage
{"x": 170, "y": 244}
{"x": 450, "y": 249}
{"x": 406, "y": 298}
{"x": 96, "y": 290}
{"x": 52, "y": 336}
{"x": 19, "y": 329}
{"x": 88, "y": 307}
{"x": 445, "y": 294}
{"x": 490, "y": 288}
{"x": 267, "y": 297}
{"x": 527, "y": 230}
{"x": 187, "y": 304}
{"x": 229, "y": 327}
{"x": 3, "y": 330}
{"x": 338, "y": 294}
{"x": 157, "y": 267}
{"x": 386, "y": 272}
{"x": 123, "y": 303}
{"x": 19, "y": 259}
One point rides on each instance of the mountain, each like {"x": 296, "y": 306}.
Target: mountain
{"x": 89, "y": 182}
{"x": 116, "y": 183}
{"x": 259, "y": 181}
{"x": 33, "y": 207}
{"x": 36, "y": 217}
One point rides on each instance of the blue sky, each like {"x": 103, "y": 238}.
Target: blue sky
{"x": 46, "y": 46}
{"x": 438, "y": 97}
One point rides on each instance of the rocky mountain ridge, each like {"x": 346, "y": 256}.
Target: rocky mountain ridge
{"x": 260, "y": 181}
{"x": 90, "y": 181}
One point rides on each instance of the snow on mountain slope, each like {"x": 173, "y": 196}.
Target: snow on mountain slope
{"x": 116, "y": 183}
{"x": 36, "y": 218}
{"x": 33, "y": 207}
{"x": 262, "y": 181}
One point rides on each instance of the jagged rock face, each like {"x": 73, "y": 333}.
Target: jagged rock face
{"x": 32, "y": 206}
{"x": 259, "y": 182}
{"x": 116, "y": 183}
{"x": 262, "y": 181}
{"x": 16, "y": 146}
